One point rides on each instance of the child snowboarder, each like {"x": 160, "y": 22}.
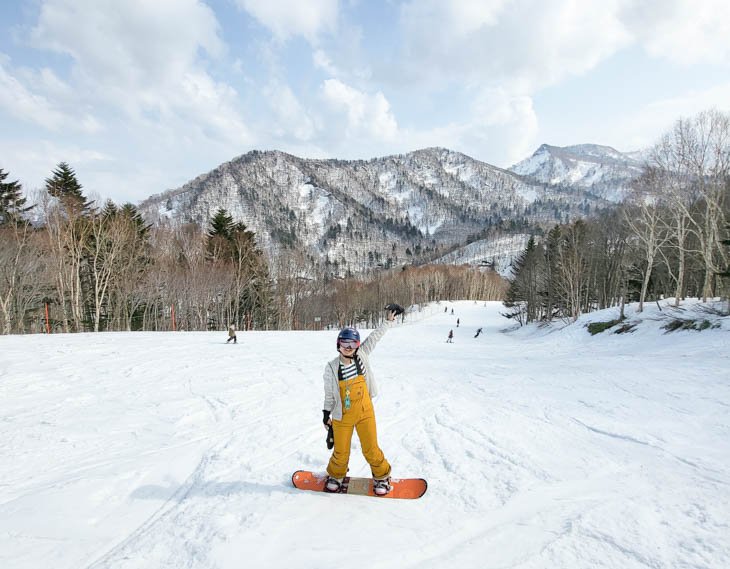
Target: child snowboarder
{"x": 232, "y": 334}
{"x": 349, "y": 385}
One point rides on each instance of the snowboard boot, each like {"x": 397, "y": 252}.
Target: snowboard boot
{"x": 333, "y": 484}
{"x": 381, "y": 487}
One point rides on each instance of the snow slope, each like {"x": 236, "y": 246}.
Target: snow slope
{"x": 543, "y": 449}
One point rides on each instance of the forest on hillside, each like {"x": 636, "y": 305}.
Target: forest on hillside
{"x": 68, "y": 264}
{"x": 668, "y": 239}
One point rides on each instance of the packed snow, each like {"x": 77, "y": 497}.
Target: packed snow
{"x": 542, "y": 447}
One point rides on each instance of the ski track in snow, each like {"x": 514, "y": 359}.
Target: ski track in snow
{"x": 542, "y": 450}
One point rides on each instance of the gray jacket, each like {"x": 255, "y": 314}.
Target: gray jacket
{"x": 332, "y": 399}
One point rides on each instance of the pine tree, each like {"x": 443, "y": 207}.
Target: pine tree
{"x": 219, "y": 236}
{"x": 552, "y": 248}
{"x": 221, "y": 224}
{"x": 130, "y": 212}
{"x": 65, "y": 186}
{"x": 525, "y": 293}
{"x": 110, "y": 209}
{"x": 12, "y": 204}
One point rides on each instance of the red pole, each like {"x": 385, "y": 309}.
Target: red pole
{"x": 48, "y": 324}
{"x": 172, "y": 308}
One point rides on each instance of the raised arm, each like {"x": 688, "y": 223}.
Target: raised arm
{"x": 369, "y": 344}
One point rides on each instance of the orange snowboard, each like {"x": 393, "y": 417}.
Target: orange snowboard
{"x": 404, "y": 488}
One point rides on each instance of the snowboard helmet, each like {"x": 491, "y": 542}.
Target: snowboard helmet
{"x": 348, "y": 333}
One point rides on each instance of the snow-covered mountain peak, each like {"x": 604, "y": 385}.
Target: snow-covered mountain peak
{"x": 361, "y": 214}
{"x": 602, "y": 170}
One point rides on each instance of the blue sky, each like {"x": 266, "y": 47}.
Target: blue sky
{"x": 140, "y": 96}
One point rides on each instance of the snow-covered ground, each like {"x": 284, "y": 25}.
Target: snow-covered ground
{"x": 543, "y": 448}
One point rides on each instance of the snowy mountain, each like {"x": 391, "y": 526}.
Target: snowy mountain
{"x": 601, "y": 170}
{"x": 356, "y": 215}
{"x": 543, "y": 447}
{"x": 496, "y": 253}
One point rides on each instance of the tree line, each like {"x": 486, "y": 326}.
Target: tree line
{"x": 668, "y": 239}
{"x": 69, "y": 265}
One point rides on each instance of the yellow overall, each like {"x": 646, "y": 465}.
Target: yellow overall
{"x": 360, "y": 416}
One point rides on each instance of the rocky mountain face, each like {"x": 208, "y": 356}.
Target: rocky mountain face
{"x": 600, "y": 170}
{"x": 352, "y": 216}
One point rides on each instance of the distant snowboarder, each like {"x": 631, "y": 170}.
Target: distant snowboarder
{"x": 479, "y": 331}
{"x": 451, "y": 337}
{"x": 457, "y": 322}
{"x": 232, "y": 334}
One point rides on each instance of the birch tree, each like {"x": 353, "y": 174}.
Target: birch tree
{"x": 643, "y": 215}
{"x": 695, "y": 159}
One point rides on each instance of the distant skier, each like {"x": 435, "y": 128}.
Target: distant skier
{"x": 232, "y": 334}
{"x": 445, "y": 309}
{"x": 479, "y": 331}
{"x": 451, "y": 337}
{"x": 349, "y": 385}
{"x": 452, "y": 311}
{"x": 457, "y": 322}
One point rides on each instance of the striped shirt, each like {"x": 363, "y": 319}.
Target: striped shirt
{"x": 348, "y": 372}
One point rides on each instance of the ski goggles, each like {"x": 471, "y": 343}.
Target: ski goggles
{"x": 349, "y": 344}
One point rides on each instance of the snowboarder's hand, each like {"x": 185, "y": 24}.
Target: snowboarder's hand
{"x": 394, "y": 310}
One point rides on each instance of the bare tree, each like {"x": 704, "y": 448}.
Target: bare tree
{"x": 644, "y": 216}
{"x": 67, "y": 234}
{"x": 18, "y": 267}
{"x": 573, "y": 274}
{"x": 695, "y": 159}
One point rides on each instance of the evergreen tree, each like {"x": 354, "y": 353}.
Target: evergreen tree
{"x": 110, "y": 209}
{"x": 219, "y": 236}
{"x": 525, "y": 294}
{"x": 130, "y": 212}
{"x": 12, "y": 204}
{"x": 552, "y": 248}
{"x": 65, "y": 186}
{"x": 221, "y": 224}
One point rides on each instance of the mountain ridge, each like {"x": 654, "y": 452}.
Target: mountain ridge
{"x": 600, "y": 169}
{"x": 355, "y": 215}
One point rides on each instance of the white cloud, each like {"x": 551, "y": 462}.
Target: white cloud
{"x": 34, "y": 163}
{"x": 41, "y": 98}
{"x": 531, "y": 45}
{"x": 682, "y": 31}
{"x": 291, "y": 18}
{"x": 505, "y": 126}
{"x": 292, "y": 119}
{"x": 464, "y": 17}
{"x": 368, "y": 115}
{"x": 146, "y": 59}
{"x": 25, "y": 105}
{"x": 133, "y": 41}
{"x": 509, "y": 51}
{"x": 643, "y": 127}
{"x": 501, "y": 129}
{"x": 321, "y": 60}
